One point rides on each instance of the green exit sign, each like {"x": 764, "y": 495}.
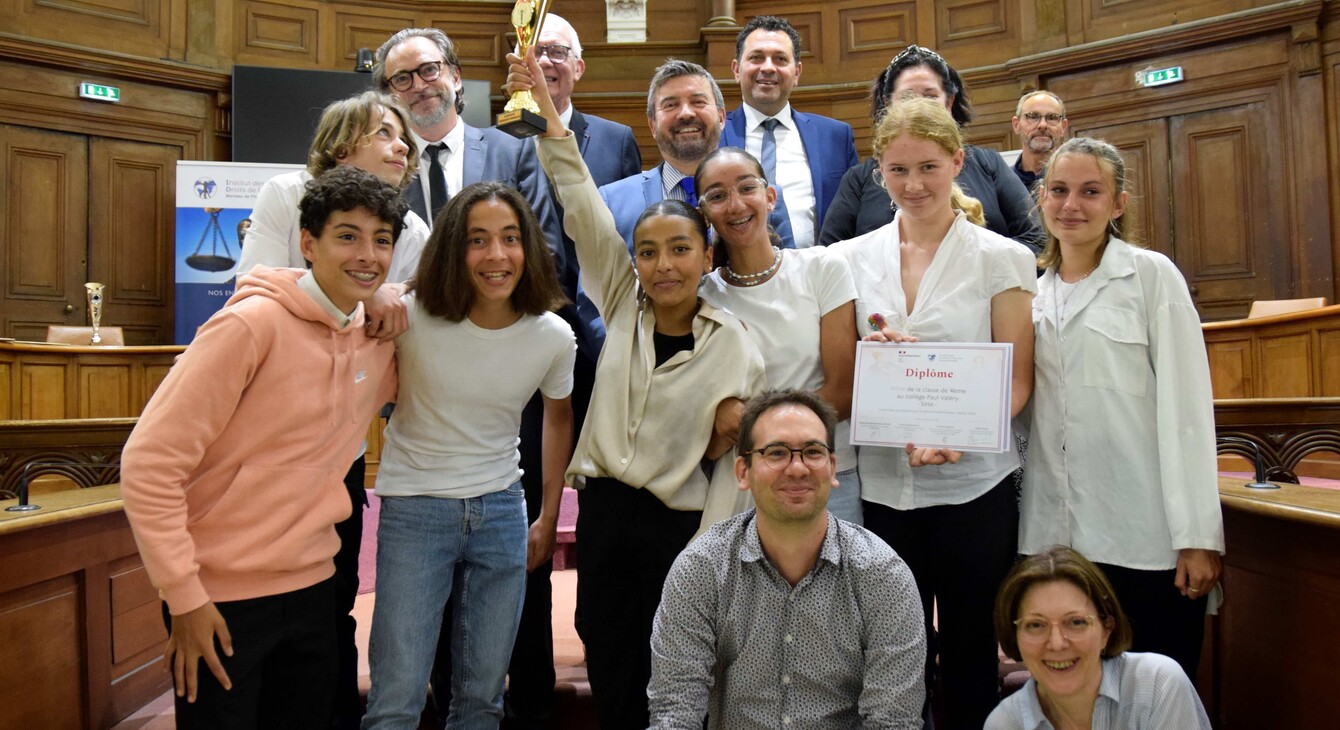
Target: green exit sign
{"x": 1161, "y": 76}
{"x": 99, "y": 92}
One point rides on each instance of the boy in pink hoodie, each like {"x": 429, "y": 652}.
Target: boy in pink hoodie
{"x": 232, "y": 479}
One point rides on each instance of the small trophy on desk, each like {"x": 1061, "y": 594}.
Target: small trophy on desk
{"x": 521, "y": 117}
{"x": 95, "y": 309}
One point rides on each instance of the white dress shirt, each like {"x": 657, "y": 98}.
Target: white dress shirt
{"x": 1121, "y": 455}
{"x": 452, "y": 159}
{"x": 793, "y": 170}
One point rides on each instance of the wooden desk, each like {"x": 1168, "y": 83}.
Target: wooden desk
{"x": 1286, "y": 356}
{"x": 81, "y": 633}
{"x": 40, "y": 382}
{"x": 1276, "y": 642}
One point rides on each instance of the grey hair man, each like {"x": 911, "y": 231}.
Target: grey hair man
{"x": 1040, "y": 123}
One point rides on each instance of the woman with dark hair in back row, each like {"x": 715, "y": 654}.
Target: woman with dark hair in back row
{"x": 861, "y": 205}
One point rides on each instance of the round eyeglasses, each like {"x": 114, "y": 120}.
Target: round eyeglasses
{"x": 405, "y": 79}
{"x": 748, "y": 187}
{"x": 780, "y": 456}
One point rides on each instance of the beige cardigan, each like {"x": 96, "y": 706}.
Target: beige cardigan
{"x": 649, "y": 426}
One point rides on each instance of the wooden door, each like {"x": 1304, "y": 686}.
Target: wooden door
{"x": 131, "y": 219}
{"x": 43, "y": 230}
{"x": 1231, "y": 229}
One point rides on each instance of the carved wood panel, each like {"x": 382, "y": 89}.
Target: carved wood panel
{"x": 1328, "y": 353}
{"x": 1288, "y": 359}
{"x": 276, "y": 32}
{"x": 41, "y": 682}
{"x": 142, "y": 27}
{"x": 869, "y": 35}
{"x": 1144, "y": 147}
{"x": 1231, "y": 368}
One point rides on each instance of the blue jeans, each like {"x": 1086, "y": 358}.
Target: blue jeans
{"x": 422, "y": 543}
{"x": 844, "y": 502}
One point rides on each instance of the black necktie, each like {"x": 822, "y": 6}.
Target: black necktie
{"x": 437, "y": 178}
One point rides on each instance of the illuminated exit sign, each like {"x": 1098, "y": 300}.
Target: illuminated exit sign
{"x": 1161, "y": 76}
{"x": 99, "y": 92}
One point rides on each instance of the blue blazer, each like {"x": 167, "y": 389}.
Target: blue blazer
{"x": 830, "y": 149}
{"x": 628, "y": 197}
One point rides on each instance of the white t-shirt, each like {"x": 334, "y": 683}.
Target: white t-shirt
{"x": 782, "y": 315}
{"x": 462, "y": 390}
{"x": 953, "y": 304}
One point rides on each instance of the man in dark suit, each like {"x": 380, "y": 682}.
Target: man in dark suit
{"x": 803, "y": 155}
{"x": 611, "y": 153}
{"x": 685, "y": 110}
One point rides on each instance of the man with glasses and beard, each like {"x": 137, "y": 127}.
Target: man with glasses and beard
{"x": 685, "y": 111}
{"x": 786, "y": 616}
{"x": 1040, "y": 123}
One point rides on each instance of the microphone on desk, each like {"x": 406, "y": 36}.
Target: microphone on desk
{"x": 1260, "y": 482}
{"x": 25, "y": 477}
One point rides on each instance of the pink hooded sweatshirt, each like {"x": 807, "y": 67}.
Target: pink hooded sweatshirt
{"x": 233, "y": 477}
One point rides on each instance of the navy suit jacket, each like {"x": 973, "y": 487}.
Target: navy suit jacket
{"x": 830, "y": 149}
{"x": 611, "y": 153}
{"x": 628, "y": 197}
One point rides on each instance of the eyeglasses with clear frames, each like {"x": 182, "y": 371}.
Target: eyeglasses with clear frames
{"x": 1052, "y": 119}
{"x": 405, "y": 79}
{"x": 1073, "y": 627}
{"x": 747, "y": 187}
{"x": 780, "y": 456}
{"x": 556, "y": 52}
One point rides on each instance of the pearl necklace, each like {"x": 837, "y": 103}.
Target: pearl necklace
{"x": 760, "y": 277}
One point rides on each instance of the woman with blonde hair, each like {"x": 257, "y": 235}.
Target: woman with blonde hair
{"x": 936, "y": 275}
{"x": 1121, "y": 460}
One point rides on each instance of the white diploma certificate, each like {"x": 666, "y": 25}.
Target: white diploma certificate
{"x": 933, "y": 394}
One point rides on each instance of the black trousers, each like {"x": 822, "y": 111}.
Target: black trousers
{"x": 1162, "y": 619}
{"x": 627, "y": 541}
{"x": 959, "y": 555}
{"x": 283, "y": 665}
{"x": 347, "y": 713}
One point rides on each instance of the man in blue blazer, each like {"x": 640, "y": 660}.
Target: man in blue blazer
{"x": 812, "y": 152}
{"x": 685, "y": 111}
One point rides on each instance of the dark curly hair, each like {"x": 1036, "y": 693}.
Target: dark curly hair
{"x": 911, "y": 57}
{"x": 346, "y": 187}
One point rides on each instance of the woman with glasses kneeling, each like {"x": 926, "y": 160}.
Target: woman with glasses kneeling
{"x": 1058, "y": 614}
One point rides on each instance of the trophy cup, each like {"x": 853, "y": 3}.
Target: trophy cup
{"x": 521, "y": 117}
{"x": 95, "y": 309}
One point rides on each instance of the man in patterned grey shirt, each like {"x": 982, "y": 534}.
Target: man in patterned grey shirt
{"x": 786, "y": 616}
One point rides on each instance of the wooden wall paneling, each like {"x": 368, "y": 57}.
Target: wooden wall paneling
{"x": 357, "y": 28}
{"x": 147, "y": 28}
{"x": 104, "y": 390}
{"x": 131, "y": 235}
{"x": 1285, "y": 365}
{"x": 1232, "y": 367}
{"x": 1144, "y": 147}
{"x": 1230, "y": 208}
{"x": 43, "y": 231}
{"x": 972, "y": 33}
{"x": 44, "y": 391}
{"x": 42, "y": 683}
{"x": 8, "y": 396}
{"x": 1327, "y": 371}
{"x": 871, "y": 33}
{"x": 137, "y": 617}
{"x": 1330, "y": 68}
{"x": 1102, "y": 19}
{"x": 1310, "y": 236}
{"x": 270, "y": 34}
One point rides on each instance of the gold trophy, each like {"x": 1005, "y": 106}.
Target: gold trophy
{"x": 521, "y": 117}
{"x": 95, "y": 309}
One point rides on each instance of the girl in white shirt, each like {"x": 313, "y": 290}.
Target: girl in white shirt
{"x": 797, "y": 303}
{"x": 1121, "y": 459}
{"x": 483, "y": 338}
{"x": 935, "y": 275}
{"x": 670, "y": 364}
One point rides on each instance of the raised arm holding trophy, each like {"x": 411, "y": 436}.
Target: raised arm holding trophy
{"x": 521, "y": 116}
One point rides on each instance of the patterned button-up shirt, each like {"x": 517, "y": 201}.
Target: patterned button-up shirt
{"x": 734, "y": 641}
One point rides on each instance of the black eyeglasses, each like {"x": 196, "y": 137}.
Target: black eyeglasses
{"x": 556, "y": 53}
{"x": 1052, "y": 119}
{"x": 405, "y": 79}
{"x": 780, "y": 456}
